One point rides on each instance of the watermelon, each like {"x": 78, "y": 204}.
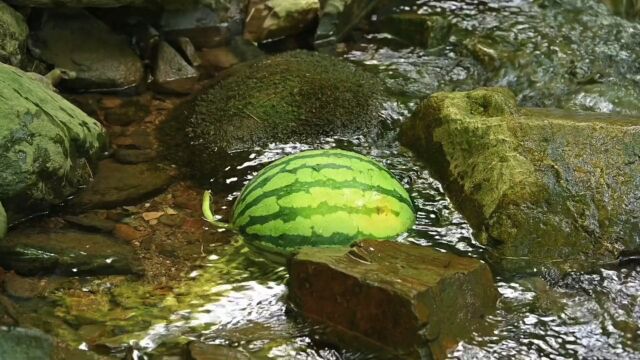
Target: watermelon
{"x": 320, "y": 198}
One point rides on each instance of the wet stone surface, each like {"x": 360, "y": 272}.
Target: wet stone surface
{"x": 31, "y": 252}
{"x": 395, "y": 295}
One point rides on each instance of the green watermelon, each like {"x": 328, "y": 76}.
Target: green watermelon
{"x": 320, "y": 198}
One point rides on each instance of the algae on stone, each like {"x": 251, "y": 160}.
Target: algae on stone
{"x": 548, "y": 188}
{"x": 3, "y": 222}
{"x": 13, "y": 35}
{"x": 46, "y": 144}
{"x": 293, "y": 97}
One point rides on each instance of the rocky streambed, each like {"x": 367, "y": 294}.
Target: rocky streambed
{"x": 115, "y": 116}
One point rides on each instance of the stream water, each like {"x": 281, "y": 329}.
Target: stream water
{"x": 570, "y": 54}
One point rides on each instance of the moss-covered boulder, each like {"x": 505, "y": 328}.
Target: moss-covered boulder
{"x": 292, "y": 97}
{"x": 46, "y": 144}
{"x": 13, "y": 35}
{"x": 547, "y": 188}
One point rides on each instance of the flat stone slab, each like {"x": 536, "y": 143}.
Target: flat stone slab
{"x": 411, "y": 300}
{"x": 31, "y": 252}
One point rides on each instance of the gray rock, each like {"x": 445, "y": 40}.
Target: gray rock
{"x": 73, "y": 39}
{"x": 188, "y": 50}
{"x": 30, "y": 252}
{"x": 116, "y": 184}
{"x": 339, "y": 17}
{"x": 548, "y": 189}
{"x": 13, "y": 35}
{"x": 46, "y": 145}
{"x": 270, "y": 20}
{"x": 205, "y": 26}
{"x": 91, "y": 221}
{"x": 172, "y": 74}
{"x": 413, "y": 301}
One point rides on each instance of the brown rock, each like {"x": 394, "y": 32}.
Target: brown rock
{"x": 218, "y": 58}
{"x": 127, "y": 233}
{"x": 22, "y": 287}
{"x": 413, "y": 301}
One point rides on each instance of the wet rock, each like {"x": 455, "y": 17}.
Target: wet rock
{"x": 134, "y": 156}
{"x": 31, "y": 252}
{"x": 137, "y": 138}
{"x": 172, "y": 74}
{"x": 18, "y": 343}
{"x": 293, "y": 97}
{"x": 188, "y": 50}
{"x": 46, "y": 145}
{"x": 91, "y": 221}
{"x": 201, "y": 351}
{"x": 206, "y": 27}
{"x": 117, "y": 184}
{"x": 217, "y": 59}
{"x": 128, "y": 233}
{"x": 73, "y": 39}
{"x": 21, "y": 287}
{"x": 408, "y": 299}
{"x": 269, "y": 19}
{"x": 546, "y": 188}
{"x": 417, "y": 29}
{"x": 13, "y": 36}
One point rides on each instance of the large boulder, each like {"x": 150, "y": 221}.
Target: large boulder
{"x": 292, "y": 97}
{"x": 75, "y": 40}
{"x": 547, "y": 188}
{"x": 414, "y": 301}
{"x": 13, "y": 35}
{"x": 46, "y": 144}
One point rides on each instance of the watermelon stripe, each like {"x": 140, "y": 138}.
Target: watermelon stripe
{"x": 270, "y": 169}
{"x": 301, "y": 186}
{"x": 264, "y": 179}
{"x": 284, "y": 244}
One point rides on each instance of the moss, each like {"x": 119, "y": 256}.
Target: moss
{"x": 547, "y": 188}
{"x": 293, "y": 97}
{"x": 46, "y": 144}
{"x": 13, "y": 35}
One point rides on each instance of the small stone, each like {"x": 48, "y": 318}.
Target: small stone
{"x": 125, "y": 111}
{"x": 202, "y": 351}
{"x": 116, "y": 184}
{"x": 127, "y": 233}
{"x": 22, "y": 287}
{"x": 171, "y": 220}
{"x": 205, "y": 27}
{"x": 151, "y": 215}
{"x": 405, "y": 298}
{"x": 172, "y": 73}
{"x": 134, "y": 156}
{"x": 218, "y": 58}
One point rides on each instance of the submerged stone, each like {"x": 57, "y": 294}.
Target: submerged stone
{"x": 3, "y": 222}
{"x": 71, "y": 252}
{"x": 117, "y": 184}
{"x": 46, "y": 145}
{"x": 13, "y": 35}
{"x": 18, "y": 343}
{"x": 292, "y": 97}
{"x": 75, "y": 40}
{"x": 172, "y": 74}
{"x": 413, "y": 301}
{"x": 546, "y": 188}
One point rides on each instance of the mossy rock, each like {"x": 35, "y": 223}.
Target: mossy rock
{"x": 13, "y": 35}
{"x": 46, "y": 145}
{"x": 548, "y": 188}
{"x": 292, "y": 97}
